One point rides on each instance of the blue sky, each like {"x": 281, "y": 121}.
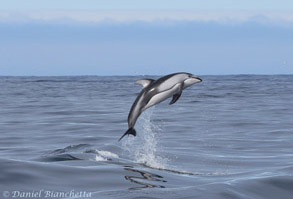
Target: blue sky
{"x": 92, "y": 37}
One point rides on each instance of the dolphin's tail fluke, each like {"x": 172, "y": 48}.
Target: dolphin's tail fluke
{"x": 129, "y": 131}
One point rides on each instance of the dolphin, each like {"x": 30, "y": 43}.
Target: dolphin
{"x": 156, "y": 91}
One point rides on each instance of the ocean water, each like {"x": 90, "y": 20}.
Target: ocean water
{"x": 227, "y": 137}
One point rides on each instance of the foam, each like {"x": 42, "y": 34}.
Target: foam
{"x": 104, "y": 155}
{"x": 107, "y": 154}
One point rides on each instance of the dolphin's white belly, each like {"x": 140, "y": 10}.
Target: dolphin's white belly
{"x": 162, "y": 96}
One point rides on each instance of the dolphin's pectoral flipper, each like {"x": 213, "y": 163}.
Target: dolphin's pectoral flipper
{"x": 129, "y": 131}
{"x": 175, "y": 98}
{"x": 178, "y": 94}
{"x": 144, "y": 82}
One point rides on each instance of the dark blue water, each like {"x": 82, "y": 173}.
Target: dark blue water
{"x": 227, "y": 137}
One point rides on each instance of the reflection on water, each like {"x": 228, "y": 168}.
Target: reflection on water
{"x": 144, "y": 175}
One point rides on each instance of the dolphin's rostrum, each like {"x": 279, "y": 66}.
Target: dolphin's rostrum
{"x": 156, "y": 91}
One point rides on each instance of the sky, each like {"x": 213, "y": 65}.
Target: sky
{"x": 154, "y": 37}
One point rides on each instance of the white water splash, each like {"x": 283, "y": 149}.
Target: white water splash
{"x": 104, "y": 155}
{"x": 99, "y": 158}
{"x": 107, "y": 154}
{"x": 144, "y": 148}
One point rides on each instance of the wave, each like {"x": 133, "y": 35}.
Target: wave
{"x": 78, "y": 152}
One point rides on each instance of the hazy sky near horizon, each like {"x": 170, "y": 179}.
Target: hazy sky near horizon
{"x": 107, "y": 37}
{"x": 149, "y": 4}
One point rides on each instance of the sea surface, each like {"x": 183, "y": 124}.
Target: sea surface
{"x": 227, "y": 137}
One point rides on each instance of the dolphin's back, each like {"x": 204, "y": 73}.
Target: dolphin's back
{"x": 167, "y": 82}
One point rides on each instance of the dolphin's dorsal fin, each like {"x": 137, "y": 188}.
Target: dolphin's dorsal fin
{"x": 144, "y": 82}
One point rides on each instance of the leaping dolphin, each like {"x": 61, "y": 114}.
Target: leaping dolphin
{"x": 156, "y": 91}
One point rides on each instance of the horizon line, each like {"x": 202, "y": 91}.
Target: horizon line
{"x": 232, "y": 74}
